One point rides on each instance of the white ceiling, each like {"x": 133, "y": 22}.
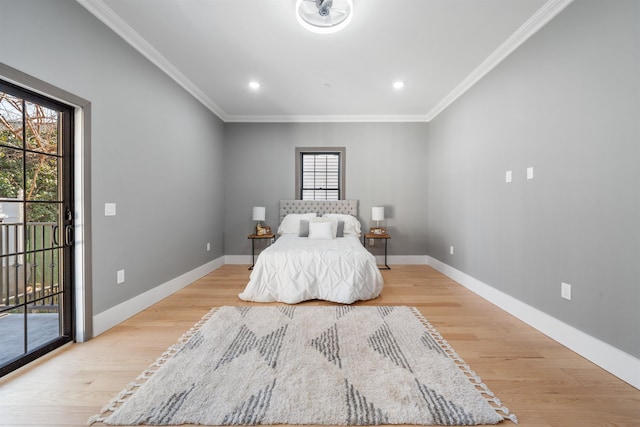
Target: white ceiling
{"x": 213, "y": 48}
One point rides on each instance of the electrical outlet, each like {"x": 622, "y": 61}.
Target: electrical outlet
{"x": 565, "y": 291}
{"x": 120, "y": 277}
{"x": 451, "y": 250}
{"x": 508, "y": 176}
{"x": 530, "y": 172}
{"x": 208, "y": 247}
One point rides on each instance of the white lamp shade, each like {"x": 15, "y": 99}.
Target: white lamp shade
{"x": 377, "y": 213}
{"x": 259, "y": 213}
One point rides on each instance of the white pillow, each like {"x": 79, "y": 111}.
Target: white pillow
{"x": 321, "y": 230}
{"x": 291, "y": 223}
{"x": 334, "y": 224}
{"x": 351, "y": 223}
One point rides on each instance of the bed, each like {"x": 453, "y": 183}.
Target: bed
{"x": 318, "y": 255}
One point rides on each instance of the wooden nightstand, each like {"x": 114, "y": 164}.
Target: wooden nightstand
{"x": 386, "y": 238}
{"x": 253, "y": 238}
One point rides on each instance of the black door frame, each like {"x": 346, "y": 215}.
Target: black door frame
{"x": 62, "y": 247}
{"x": 81, "y": 209}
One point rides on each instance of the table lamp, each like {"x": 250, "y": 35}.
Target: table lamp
{"x": 259, "y": 213}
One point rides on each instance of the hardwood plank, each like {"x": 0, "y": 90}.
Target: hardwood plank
{"x": 539, "y": 380}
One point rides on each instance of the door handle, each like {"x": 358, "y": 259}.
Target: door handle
{"x": 68, "y": 235}
{"x": 55, "y": 235}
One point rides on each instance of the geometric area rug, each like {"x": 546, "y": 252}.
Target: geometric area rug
{"x": 314, "y": 365}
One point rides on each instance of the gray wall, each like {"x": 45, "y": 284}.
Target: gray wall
{"x": 385, "y": 165}
{"x": 156, "y": 151}
{"x": 567, "y": 103}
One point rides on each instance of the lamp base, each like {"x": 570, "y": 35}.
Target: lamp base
{"x": 261, "y": 231}
{"x": 378, "y": 230}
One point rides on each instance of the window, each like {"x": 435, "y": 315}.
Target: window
{"x": 320, "y": 173}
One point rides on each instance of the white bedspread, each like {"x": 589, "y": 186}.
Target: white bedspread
{"x": 296, "y": 269}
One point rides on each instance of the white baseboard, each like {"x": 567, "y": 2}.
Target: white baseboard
{"x": 403, "y": 259}
{"x": 609, "y": 358}
{"x": 391, "y": 259}
{"x": 238, "y": 259}
{"x": 613, "y": 360}
{"x": 121, "y": 312}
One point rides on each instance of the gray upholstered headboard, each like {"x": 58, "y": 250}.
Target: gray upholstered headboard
{"x": 321, "y": 207}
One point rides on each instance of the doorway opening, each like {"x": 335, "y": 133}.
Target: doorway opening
{"x": 36, "y": 225}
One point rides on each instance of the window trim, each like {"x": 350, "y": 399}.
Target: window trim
{"x": 342, "y": 152}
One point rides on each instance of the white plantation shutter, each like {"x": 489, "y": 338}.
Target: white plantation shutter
{"x": 320, "y": 172}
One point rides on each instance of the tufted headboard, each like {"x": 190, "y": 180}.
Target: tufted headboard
{"x": 321, "y": 207}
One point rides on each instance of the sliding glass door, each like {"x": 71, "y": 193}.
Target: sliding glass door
{"x": 36, "y": 226}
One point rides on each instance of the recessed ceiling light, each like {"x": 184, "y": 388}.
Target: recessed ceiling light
{"x": 254, "y": 85}
{"x": 398, "y": 84}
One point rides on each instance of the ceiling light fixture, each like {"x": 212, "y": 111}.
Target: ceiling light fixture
{"x": 254, "y": 85}
{"x": 324, "y": 16}
{"x": 398, "y": 85}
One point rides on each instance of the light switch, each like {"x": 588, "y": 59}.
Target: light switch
{"x": 530, "y": 172}
{"x": 508, "y": 176}
{"x": 109, "y": 209}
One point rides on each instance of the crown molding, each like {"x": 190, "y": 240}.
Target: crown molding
{"x": 545, "y": 14}
{"x": 108, "y": 17}
{"x": 354, "y": 118}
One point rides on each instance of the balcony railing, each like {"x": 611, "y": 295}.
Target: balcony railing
{"x": 30, "y": 261}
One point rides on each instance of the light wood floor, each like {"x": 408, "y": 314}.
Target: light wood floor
{"x": 540, "y": 381}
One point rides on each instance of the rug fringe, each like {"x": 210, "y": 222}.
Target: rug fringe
{"x": 475, "y": 379}
{"x": 131, "y": 388}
